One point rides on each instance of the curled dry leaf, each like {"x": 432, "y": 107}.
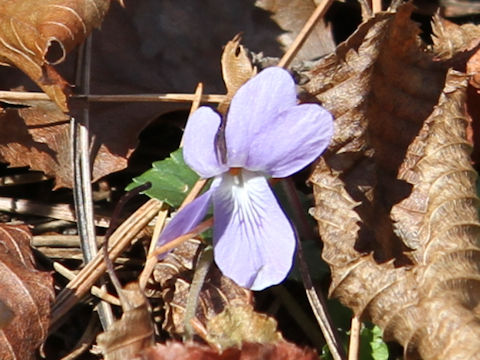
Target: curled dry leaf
{"x": 34, "y": 36}
{"x": 239, "y": 324}
{"x": 26, "y": 291}
{"x": 249, "y": 351}
{"x": 127, "y": 337}
{"x": 175, "y": 273}
{"x": 395, "y": 194}
{"x": 236, "y": 70}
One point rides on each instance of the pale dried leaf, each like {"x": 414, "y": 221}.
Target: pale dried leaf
{"x": 395, "y": 194}
{"x": 241, "y": 324}
{"x": 133, "y": 333}
{"x": 450, "y": 38}
{"x": 236, "y": 70}
{"x": 34, "y": 35}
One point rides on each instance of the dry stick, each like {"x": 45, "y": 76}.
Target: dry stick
{"x": 22, "y": 96}
{"x": 376, "y": 6}
{"x": 159, "y": 225}
{"x": 56, "y": 211}
{"x": 354, "y": 339}
{"x": 195, "y": 103}
{"x": 120, "y": 239}
{"x": 319, "y": 309}
{"x": 303, "y": 34}
{"x": 19, "y": 179}
{"x": 59, "y": 241}
{"x": 151, "y": 262}
{"x": 317, "y": 302}
{"x": 126, "y": 305}
{"x": 80, "y": 136}
{"x": 101, "y": 294}
{"x": 366, "y": 9}
{"x": 152, "y": 259}
{"x": 300, "y": 218}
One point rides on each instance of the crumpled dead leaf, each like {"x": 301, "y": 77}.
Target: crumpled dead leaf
{"x": 239, "y": 324}
{"x": 395, "y": 193}
{"x": 236, "y": 70}
{"x": 34, "y": 36}
{"x": 38, "y": 136}
{"x": 26, "y": 291}
{"x": 134, "y": 332}
{"x": 174, "y": 275}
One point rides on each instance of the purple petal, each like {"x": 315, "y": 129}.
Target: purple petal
{"x": 189, "y": 217}
{"x": 199, "y": 143}
{"x": 254, "y": 242}
{"x": 253, "y": 108}
{"x": 290, "y": 142}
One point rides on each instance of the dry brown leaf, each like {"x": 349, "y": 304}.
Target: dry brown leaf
{"x": 249, "y": 351}
{"x": 236, "y": 70}
{"x": 395, "y": 194}
{"x": 175, "y": 273}
{"x": 26, "y": 291}
{"x": 239, "y": 324}
{"x": 450, "y": 38}
{"x": 34, "y": 36}
{"x": 38, "y": 137}
{"x": 291, "y": 16}
{"x": 133, "y": 333}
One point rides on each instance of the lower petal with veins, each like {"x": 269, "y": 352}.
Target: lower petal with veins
{"x": 254, "y": 242}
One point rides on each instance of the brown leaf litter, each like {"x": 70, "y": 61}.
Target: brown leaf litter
{"x": 395, "y": 194}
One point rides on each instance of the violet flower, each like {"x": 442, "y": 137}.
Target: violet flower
{"x": 266, "y": 135}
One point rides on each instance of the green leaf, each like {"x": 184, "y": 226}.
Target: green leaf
{"x": 171, "y": 179}
{"x": 372, "y": 345}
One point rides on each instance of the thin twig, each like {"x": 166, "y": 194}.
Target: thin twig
{"x": 152, "y": 259}
{"x": 56, "y": 211}
{"x": 159, "y": 225}
{"x": 101, "y": 294}
{"x": 113, "y": 225}
{"x": 59, "y": 241}
{"x": 195, "y": 103}
{"x": 196, "y": 189}
{"x": 92, "y": 271}
{"x": 303, "y": 34}
{"x": 319, "y": 307}
{"x": 376, "y": 6}
{"x": 22, "y": 96}
{"x": 28, "y": 178}
{"x": 80, "y": 136}
{"x": 201, "y": 270}
{"x": 354, "y": 339}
